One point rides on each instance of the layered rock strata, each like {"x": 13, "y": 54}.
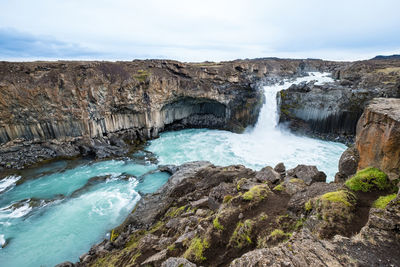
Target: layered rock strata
{"x": 64, "y": 109}
{"x": 332, "y": 110}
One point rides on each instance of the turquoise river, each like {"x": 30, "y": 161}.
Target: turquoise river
{"x": 56, "y": 212}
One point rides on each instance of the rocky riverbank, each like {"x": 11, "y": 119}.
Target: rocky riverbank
{"x": 219, "y": 216}
{"x": 233, "y": 216}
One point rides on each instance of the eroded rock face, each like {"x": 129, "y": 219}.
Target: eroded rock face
{"x": 378, "y": 136}
{"x": 66, "y": 109}
{"x": 331, "y": 111}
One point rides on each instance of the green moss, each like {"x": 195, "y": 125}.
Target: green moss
{"x": 308, "y": 205}
{"x": 135, "y": 238}
{"x": 196, "y": 249}
{"x": 299, "y": 223}
{"x": 217, "y": 225}
{"x": 227, "y": 198}
{"x": 279, "y": 187}
{"x": 171, "y": 247}
{"x": 296, "y": 180}
{"x": 278, "y": 234}
{"x": 174, "y": 211}
{"x": 113, "y": 235}
{"x": 241, "y": 235}
{"x": 257, "y": 193}
{"x": 368, "y": 179}
{"x": 157, "y": 227}
{"x": 240, "y": 183}
{"x": 383, "y": 201}
{"x": 338, "y": 196}
{"x": 141, "y": 75}
{"x": 263, "y": 216}
{"x": 134, "y": 258}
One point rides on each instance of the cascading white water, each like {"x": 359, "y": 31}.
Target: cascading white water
{"x": 265, "y": 144}
{"x": 55, "y": 213}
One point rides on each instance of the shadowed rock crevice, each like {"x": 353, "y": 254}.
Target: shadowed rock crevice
{"x": 190, "y": 112}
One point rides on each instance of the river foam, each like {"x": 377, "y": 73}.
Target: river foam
{"x": 57, "y": 212}
{"x": 265, "y": 144}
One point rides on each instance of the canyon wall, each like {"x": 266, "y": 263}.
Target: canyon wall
{"x": 378, "y": 136}
{"x": 333, "y": 110}
{"x": 64, "y": 109}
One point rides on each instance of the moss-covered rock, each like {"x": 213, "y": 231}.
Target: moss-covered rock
{"x": 217, "y": 224}
{"x": 383, "y": 201}
{"x": 257, "y": 193}
{"x": 368, "y": 179}
{"x": 242, "y": 234}
{"x": 333, "y": 212}
{"x": 195, "y": 251}
{"x": 279, "y": 187}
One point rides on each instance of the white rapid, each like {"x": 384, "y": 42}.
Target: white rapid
{"x": 265, "y": 144}
{"x": 56, "y": 212}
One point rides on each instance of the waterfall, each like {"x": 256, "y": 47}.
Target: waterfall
{"x": 269, "y": 114}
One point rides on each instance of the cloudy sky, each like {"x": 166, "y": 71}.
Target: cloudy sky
{"x": 198, "y": 30}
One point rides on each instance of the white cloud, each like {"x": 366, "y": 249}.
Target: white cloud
{"x": 212, "y": 30}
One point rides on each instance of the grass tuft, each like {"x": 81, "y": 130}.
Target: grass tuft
{"x": 241, "y": 235}
{"x": 279, "y": 187}
{"x": 257, "y": 192}
{"x": 383, "y": 201}
{"x": 338, "y": 196}
{"x": 196, "y": 249}
{"x": 308, "y": 205}
{"x": 217, "y": 225}
{"x": 368, "y": 179}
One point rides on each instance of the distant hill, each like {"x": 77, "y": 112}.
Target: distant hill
{"x": 380, "y": 57}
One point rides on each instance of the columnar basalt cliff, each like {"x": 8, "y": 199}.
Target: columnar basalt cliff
{"x": 63, "y": 109}
{"x": 378, "y": 136}
{"x": 333, "y": 110}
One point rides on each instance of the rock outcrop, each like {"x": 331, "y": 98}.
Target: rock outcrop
{"x": 207, "y": 215}
{"x": 332, "y": 110}
{"x": 348, "y": 164}
{"x": 67, "y": 109}
{"x": 378, "y": 136}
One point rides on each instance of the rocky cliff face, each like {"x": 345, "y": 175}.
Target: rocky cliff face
{"x": 378, "y": 136}
{"x": 63, "y": 109}
{"x": 333, "y": 110}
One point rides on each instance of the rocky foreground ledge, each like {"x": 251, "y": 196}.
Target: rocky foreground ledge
{"x": 218, "y": 216}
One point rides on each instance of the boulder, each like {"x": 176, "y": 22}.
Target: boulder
{"x": 65, "y": 264}
{"x": 177, "y": 262}
{"x": 268, "y": 174}
{"x": 156, "y": 259}
{"x": 347, "y": 164}
{"x": 309, "y": 174}
{"x": 280, "y": 167}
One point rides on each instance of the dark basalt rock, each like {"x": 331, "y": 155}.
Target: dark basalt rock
{"x": 348, "y": 164}
{"x": 214, "y": 216}
{"x": 309, "y": 174}
{"x": 331, "y": 111}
